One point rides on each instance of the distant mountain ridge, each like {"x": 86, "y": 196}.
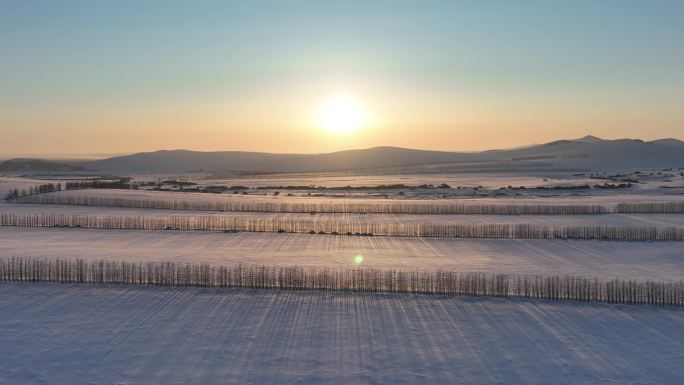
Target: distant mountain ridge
{"x": 28, "y": 164}
{"x": 587, "y": 153}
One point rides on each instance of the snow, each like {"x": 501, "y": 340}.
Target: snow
{"x": 662, "y": 261}
{"x": 471, "y": 180}
{"x": 59, "y": 334}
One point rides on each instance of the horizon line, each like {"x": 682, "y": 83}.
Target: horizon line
{"x": 99, "y": 156}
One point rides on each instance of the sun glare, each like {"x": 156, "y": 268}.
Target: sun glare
{"x": 341, "y": 114}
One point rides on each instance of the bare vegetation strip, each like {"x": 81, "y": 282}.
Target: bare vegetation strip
{"x": 372, "y": 207}
{"x": 78, "y": 271}
{"x": 340, "y": 227}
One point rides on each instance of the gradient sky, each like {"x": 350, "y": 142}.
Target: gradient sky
{"x": 102, "y": 77}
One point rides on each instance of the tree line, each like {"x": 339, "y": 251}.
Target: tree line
{"x": 558, "y": 288}
{"x": 342, "y": 206}
{"x": 337, "y": 226}
{"x": 650, "y": 208}
{"x": 122, "y": 183}
{"x": 15, "y": 193}
{"x": 36, "y": 195}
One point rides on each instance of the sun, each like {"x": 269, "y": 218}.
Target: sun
{"x": 342, "y": 114}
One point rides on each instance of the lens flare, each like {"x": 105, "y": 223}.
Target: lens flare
{"x": 358, "y": 259}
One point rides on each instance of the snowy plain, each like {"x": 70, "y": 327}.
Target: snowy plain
{"x": 65, "y": 335}
{"x": 641, "y": 260}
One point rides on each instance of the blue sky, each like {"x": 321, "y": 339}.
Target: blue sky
{"x": 455, "y": 75}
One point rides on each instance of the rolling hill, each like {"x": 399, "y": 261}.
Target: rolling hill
{"x": 587, "y": 153}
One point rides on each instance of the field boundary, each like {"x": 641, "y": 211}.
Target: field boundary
{"x": 556, "y": 288}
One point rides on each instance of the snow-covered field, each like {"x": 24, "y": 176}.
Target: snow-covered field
{"x": 663, "y": 261}
{"x": 648, "y": 180}
{"x": 472, "y": 180}
{"x": 59, "y": 334}
{"x": 603, "y": 259}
